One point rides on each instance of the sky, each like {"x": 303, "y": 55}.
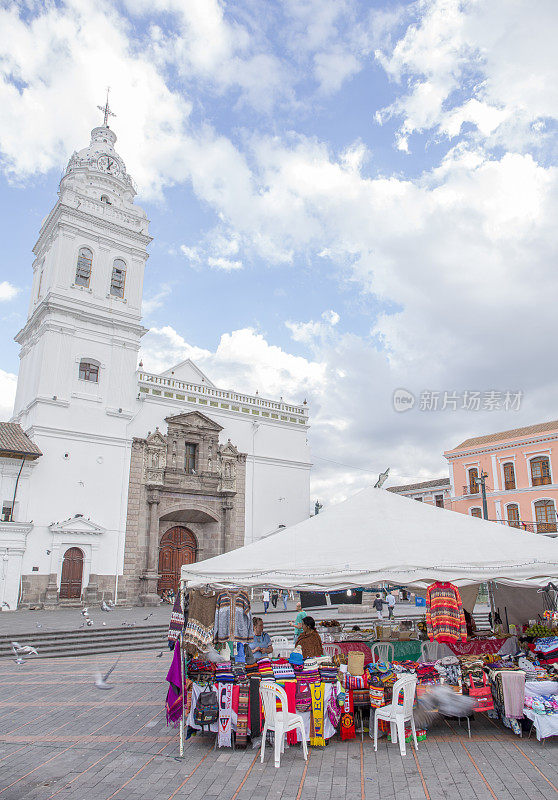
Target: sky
{"x": 352, "y": 203}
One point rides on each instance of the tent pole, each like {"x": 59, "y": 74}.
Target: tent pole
{"x": 492, "y": 604}
{"x": 181, "y": 645}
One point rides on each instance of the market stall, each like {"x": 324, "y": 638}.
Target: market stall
{"x": 385, "y": 538}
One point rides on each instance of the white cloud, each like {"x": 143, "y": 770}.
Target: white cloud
{"x": 225, "y": 264}
{"x": 8, "y": 385}
{"x": 156, "y": 301}
{"x": 309, "y": 332}
{"x": 8, "y": 291}
{"x": 191, "y": 253}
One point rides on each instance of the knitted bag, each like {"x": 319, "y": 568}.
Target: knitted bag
{"x": 207, "y": 708}
{"x": 334, "y": 710}
{"x": 303, "y": 697}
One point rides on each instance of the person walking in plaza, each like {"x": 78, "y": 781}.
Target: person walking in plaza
{"x": 379, "y": 606}
{"x": 274, "y": 597}
{"x": 300, "y": 614}
{"x": 285, "y": 595}
{"x": 261, "y": 643}
{"x": 265, "y": 597}
{"x": 309, "y": 640}
{"x": 390, "y": 600}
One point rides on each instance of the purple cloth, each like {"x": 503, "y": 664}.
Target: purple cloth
{"x": 174, "y": 694}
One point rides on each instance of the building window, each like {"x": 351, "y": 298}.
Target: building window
{"x": 476, "y": 512}
{"x": 190, "y": 459}
{"x": 473, "y": 476}
{"x": 83, "y": 269}
{"x": 7, "y": 507}
{"x": 509, "y": 476}
{"x": 418, "y": 499}
{"x": 118, "y": 278}
{"x": 540, "y": 471}
{"x": 439, "y": 500}
{"x": 105, "y": 200}
{"x": 545, "y": 515}
{"x": 89, "y": 371}
{"x": 513, "y": 515}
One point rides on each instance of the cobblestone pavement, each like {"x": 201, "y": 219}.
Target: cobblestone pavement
{"x": 61, "y": 737}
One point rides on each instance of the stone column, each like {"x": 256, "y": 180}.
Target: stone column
{"x": 226, "y": 543}
{"x": 149, "y": 596}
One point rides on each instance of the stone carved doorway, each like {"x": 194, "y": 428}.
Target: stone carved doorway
{"x": 177, "y": 547}
{"x": 72, "y": 574}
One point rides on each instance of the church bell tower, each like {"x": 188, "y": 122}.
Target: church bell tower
{"x": 80, "y": 343}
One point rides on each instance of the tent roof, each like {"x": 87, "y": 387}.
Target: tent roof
{"x": 377, "y": 536}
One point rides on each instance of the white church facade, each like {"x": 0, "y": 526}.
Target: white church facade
{"x": 137, "y": 472}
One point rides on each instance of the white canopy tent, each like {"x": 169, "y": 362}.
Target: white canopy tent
{"x": 377, "y": 536}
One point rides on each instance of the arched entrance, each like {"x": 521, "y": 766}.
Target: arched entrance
{"x": 177, "y": 547}
{"x": 72, "y": 574}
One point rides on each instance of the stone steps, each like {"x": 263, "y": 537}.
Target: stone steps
{"x": 53, "y": 644}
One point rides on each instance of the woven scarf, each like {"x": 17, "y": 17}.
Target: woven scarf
{"x": 225, "y": 693}
{"x": 176, "y": 620}
{"x": 317, "y": 719}
{"x": 242, "y": 714}
{"x": 348, "y": 719}
{"x": 255, "y": 719}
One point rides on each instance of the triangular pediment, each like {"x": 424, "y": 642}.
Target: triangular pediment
{"x": 194, "y": 419}
{"x": 229, "y": 449}
{"x": 156, "y": 439}
{"x": 189, "y": 372}
{"x": 77, "y": 524}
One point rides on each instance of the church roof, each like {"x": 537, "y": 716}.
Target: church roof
{"x": 14, "y": 443}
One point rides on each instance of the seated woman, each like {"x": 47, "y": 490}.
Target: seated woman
{"x": 309, "y": 640}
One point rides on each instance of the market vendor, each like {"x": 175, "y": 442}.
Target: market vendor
{"x": 261, "y": 643}
{"x": 309, "y": 640}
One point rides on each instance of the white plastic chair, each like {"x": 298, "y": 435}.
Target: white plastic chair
{"x": 280, "y": 722}
{"x": 331, "y": 650}
{"x": 430, "y": 651}
{"x": 281, "y": 646}
{"x": 398, "y": 713}
{"x": 383, "y": 650}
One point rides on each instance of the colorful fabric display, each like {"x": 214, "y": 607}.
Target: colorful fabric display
{"x": 445, "y": 620}
{"x": 224, "y": 694}
{"x": 254, "y": 708}
{"x": 242, "y": 713}
{"x": 348, "y": 718}
{"x": 333, "y": 708}
{"x": 252, "y": 670}
{"x": 176, "y": 621}
{"x": 198, "y": 629}
{"x": 224, "y": 673}
{"x": 356, "y": 681}
{"x": 303, "y": 696}
{"x": 547, "y": 646}
{"x": 290, "y": 688}
{"x": 265, "y": 669}
{"x": 328, "y": 673}
{"x": 233, "y": 619}
{"x": 201, "y": 671}
{"x": 282, "y": 670}
{"x": 317, "y": 718}
{"x": 296, "y": 659}
{"x": 174, "y": 694}
{"x": 310, "y": 672}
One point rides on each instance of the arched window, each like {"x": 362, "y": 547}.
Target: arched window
{"x": 473, "y": 474}
{"x": 105, "y": 200}
{"x": 509, "y": 476}
{"x": 118, "y": 278}
{"x": 540, "y": 471}
{"x": 89, "y": 371}
{"x": 545, "y": 515}
{"x": 513, "y": 515}
{"x": 83, "y": 267}
{"x": 476, "y": 512}
{"x": 190, "y": 458}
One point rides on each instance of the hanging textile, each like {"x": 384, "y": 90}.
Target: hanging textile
{"x": 233, "y": 618}
{"x": 242, "y": 713}
{"x": 198, "y": 630}
{"x": 176, "y": 621}
{"x": 290, "y": 688}
{"x": 348, "y": 719}
{"x": 445, "y": 620}
{"x": 317, "y": 718}
{"x": 255, "y": 717}
{"x": 174, "y": 695}
{"x": 225, "y": 693}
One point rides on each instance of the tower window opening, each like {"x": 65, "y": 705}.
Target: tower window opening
{"x": 105, "y": 200}
{"x": 83, "y": 268}
{"x": 118, "y": 278}
{"x": 89, "y": 371}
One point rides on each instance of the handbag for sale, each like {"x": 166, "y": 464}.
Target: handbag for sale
{"x": 303, "y": 697}
{"x": 334, "y": 710}
{"x": 482, "y": 694}
{"x": 207, "y": 708}
{"x": 355, "y": 662}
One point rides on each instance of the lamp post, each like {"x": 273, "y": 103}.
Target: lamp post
{"x": 482, "y": 483}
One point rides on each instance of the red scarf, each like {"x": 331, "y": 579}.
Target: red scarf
{"x": 348, "y": 719}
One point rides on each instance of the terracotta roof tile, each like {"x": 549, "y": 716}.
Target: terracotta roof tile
{"x": 514, "y": 433}
{"x": 409, "y": 487}
{"x": 14, "y": 442}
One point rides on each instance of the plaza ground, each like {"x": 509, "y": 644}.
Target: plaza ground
{"x": 61, "y": 737}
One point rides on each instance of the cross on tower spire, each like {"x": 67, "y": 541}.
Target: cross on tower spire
{"x": 106, "y": 110}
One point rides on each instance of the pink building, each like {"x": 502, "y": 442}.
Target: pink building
{"x": 521, "y": 469}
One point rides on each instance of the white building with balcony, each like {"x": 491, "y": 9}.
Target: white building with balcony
{"x": 83, "y": 401}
